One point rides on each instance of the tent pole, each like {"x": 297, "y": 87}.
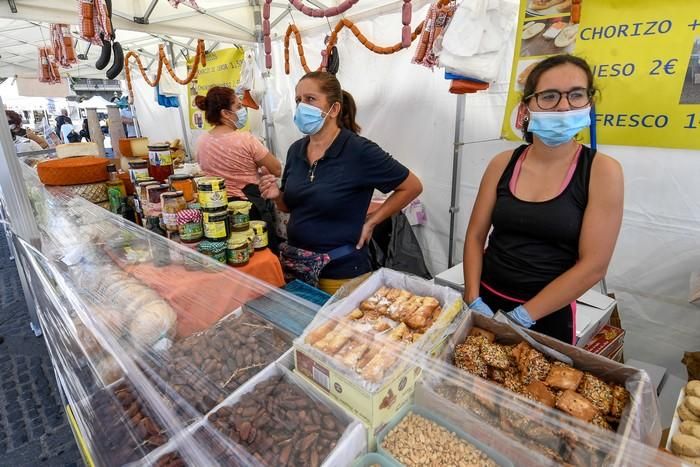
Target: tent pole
{"x": 183, "y": 120}
{"x": 459, "y": 123}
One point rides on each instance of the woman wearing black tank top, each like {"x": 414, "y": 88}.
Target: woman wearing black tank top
{"x": 555, "y": 207}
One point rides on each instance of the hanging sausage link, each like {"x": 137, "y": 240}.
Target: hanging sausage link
{"x": 200, "y": 59}
{"x": 343, "y": 23}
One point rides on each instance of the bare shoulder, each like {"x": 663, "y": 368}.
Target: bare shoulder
{"x": 498, "y": 163}
{"x": 606, "y": 168}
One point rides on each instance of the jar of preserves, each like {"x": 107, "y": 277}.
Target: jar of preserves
{"x": 215, "y": 223}
{"x": 172, "y": 202}
{"x": 217, "y": 250}
{"x": 160, "y": 162}
{"x": 138, "y": 170}
{"x": 152, "y": 206}
{"x": 212, "y": 192}
{"x": 237, "y": 254}
{"x": 240, "y": 215}
{"x": 189, "y": 224}
{"x": 184, "y": 183}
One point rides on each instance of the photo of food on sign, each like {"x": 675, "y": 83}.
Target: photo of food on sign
{"x": 547, "y": 7}
{"x": 523, "y": 71}
{"x": 548, "y": 37}
{"x": 691, "y": 84}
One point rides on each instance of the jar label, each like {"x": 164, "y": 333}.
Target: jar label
{"x": 212, "y": 199}
{"x": 215, "y": 229}
{"x": 238, "y": 256}
{"x": 138, "y": 174}
{"x": 170, "y": 219}
{"x": 190, "y": 231}
{"x": 158, "y": 158}
{"x": 115, "y": 199}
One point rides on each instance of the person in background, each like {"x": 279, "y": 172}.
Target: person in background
{"x": 225, "y": 151}
{"x": 555, "y": 207}
{"x": 61, "y": 120}
{"x": 15, "y": 121}
{"x": 328, "y": 182}
{"x": 128, "y": 122}
{"x": 85, "y": 132}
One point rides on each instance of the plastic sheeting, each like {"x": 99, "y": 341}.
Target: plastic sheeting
{"x": 144, "y": 389}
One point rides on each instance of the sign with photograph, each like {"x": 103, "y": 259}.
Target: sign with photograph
{"x": 223, "y": 69}
{"x": 645, "y": 57}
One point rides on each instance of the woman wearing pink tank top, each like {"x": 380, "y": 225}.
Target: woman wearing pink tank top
{"x": 227, "y": 152}
{"x": 553, "y": 207}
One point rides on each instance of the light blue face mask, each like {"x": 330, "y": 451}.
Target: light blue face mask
{"x": 241, "y": 117}
{"x": 309, "y": 119}
{"x": 557, "y": 128}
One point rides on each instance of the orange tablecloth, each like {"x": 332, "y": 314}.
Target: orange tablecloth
{"x": 200, "y": 297}
{"x": 265, "y": 266}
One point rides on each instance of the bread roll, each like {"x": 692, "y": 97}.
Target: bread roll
{"x": 693, "y": 403}
{"x": 693, "y": 388}
{"x": 685, "y": 445}
{"x": 690, "y": 428}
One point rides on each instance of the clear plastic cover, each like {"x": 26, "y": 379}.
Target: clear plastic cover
{"x": 170, "y": 358}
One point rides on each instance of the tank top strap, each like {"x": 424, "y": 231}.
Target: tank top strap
{"x": 507, "y": 175}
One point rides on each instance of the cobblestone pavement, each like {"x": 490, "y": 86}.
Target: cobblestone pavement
{"x": 34, "y": 429}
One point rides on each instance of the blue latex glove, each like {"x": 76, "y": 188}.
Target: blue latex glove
{"x": 479, "y": 306}
{"x": 521, "y": 316}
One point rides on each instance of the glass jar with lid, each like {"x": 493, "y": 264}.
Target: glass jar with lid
{"x": 172, "y": 202}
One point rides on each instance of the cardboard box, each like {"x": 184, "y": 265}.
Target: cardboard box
{"x": 375, "y": 404}
{"x": 593, "y": 310}
{"x": 373, "y": 409}
{"x": 641, "y": 419}
{"x": 606, "y": 342}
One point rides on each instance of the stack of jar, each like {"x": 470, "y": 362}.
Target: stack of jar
{"x": 199, "y": 212}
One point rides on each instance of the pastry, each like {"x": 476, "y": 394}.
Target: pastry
{"x": 494, "y": 374}
{"x": 490, "y": 337}
{"x": 339, "y": 337}
{"x": 541, "y": 393}
{"x": 685, "y": 445}
{"x": 690, "y": 428}
{"x": 468, "y": 357}
{"x": 533, "y": 366}
{"x": 353, "y": 353}
{"x": 686, "y": 415}
{"x": 621, "y": 398}
{"x": 495, "y": 355}
{"x": 693, "y": 388}
{"x": 576, "y": 405}
{"x": 374, "y": 370}
{"x": 320, "y": 332}
{"x": 693, "y": 403}
{"x": 419, "y": 319}
{"x": 596, "y": 391}
{"x": 563, "y": 377}
{"x": 600, "y": 421}
{"x": 356, "y": 314}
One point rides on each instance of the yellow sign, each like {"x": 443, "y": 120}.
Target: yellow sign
{"x": 645, "y": 57}
{"x": 223, "y": 69}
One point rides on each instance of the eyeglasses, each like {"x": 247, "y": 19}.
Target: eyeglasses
{"x": 550, "y": 98}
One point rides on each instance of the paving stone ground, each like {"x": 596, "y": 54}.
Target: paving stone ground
{"x": 34, "y": 430}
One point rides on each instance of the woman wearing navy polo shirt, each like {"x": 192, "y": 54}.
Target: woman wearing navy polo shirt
{"x": 329, "y": 178}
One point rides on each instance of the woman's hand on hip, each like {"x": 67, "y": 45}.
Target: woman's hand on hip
{"x": 366, "y": 235}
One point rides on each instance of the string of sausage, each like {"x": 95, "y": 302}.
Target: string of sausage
{"x": 343, "y": 23}
{"x": 200, "y": 58}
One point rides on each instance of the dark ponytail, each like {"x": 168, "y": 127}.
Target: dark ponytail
{"x": 330, "y": 87}
{"x": 347, "y": 113}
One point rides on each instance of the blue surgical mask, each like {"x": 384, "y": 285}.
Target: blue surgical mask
{"x": 309, "y": 119}
{"x": 241, "y": 117}
{"x": 557, "y": 128}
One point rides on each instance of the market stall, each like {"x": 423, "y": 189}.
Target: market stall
{"x": 167, "y": 356}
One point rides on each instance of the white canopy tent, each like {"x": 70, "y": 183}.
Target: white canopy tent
{"x": 408, "y": 111}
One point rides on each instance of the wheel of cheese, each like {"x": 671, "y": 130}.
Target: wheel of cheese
{"x": 76, "y": 150}
{"x": 73, "y": 171}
